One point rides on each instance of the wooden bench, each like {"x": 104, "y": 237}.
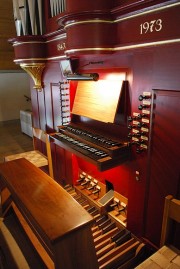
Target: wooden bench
{"x": 59, "y": 227}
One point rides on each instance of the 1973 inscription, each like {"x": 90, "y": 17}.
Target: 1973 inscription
{"x": 152, "y": 26}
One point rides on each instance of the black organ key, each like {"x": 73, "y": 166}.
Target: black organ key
{"x": 94, "y": 138}
{"x": 117, "y": 235}
{"x": 98, "y": 241}
{"x": 109, "y": 227}
{"x": 101, "y": 219}
{"x": 95, "y": 212}
{"x": 125, "y": 237}
{"x": 103, "y": 224}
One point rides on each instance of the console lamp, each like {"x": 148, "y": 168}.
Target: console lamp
{"x": 83, "y": 77}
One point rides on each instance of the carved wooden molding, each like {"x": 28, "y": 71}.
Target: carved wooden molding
{"x": 35, "y": 71}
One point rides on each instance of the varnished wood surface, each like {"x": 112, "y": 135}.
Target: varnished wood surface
{"x": 52, "y": 209}
{"x": 97, "y": 100}
{"x": 7, "y": 27}
{"x": 34, "y": 240}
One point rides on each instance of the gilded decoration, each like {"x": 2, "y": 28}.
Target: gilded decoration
{"x": 35, "y": 71}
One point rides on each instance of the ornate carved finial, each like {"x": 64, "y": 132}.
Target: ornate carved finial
{"x": 35, "y": 71}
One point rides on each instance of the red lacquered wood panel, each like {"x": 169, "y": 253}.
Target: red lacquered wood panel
{"x": 164, "y": 158}
{"x": 82, "y": 5}
{"x": 95, "y": 36}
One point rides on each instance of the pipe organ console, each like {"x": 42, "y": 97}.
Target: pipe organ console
{"x": 122, "y": 126}
{"x": 102, "y": 150}
{"x": 76, "y": 227}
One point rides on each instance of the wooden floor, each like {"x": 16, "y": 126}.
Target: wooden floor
{"x": 12, "y": 140}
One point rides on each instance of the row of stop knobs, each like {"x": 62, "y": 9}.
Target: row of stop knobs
{"x": 139, "y": 124}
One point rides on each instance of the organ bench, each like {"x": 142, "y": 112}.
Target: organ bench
{"x": 64, "y": 234}
{"x": 62, "y": 226}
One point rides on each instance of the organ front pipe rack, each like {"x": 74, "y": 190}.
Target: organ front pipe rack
{"x": 57, "y": 7}
{"x": 32, "y": 25}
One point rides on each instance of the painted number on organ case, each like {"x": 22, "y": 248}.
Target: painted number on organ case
{"x": 152, "y": 26}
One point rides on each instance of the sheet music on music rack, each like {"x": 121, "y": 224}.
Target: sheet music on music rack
{"x": 28, "y": 17}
